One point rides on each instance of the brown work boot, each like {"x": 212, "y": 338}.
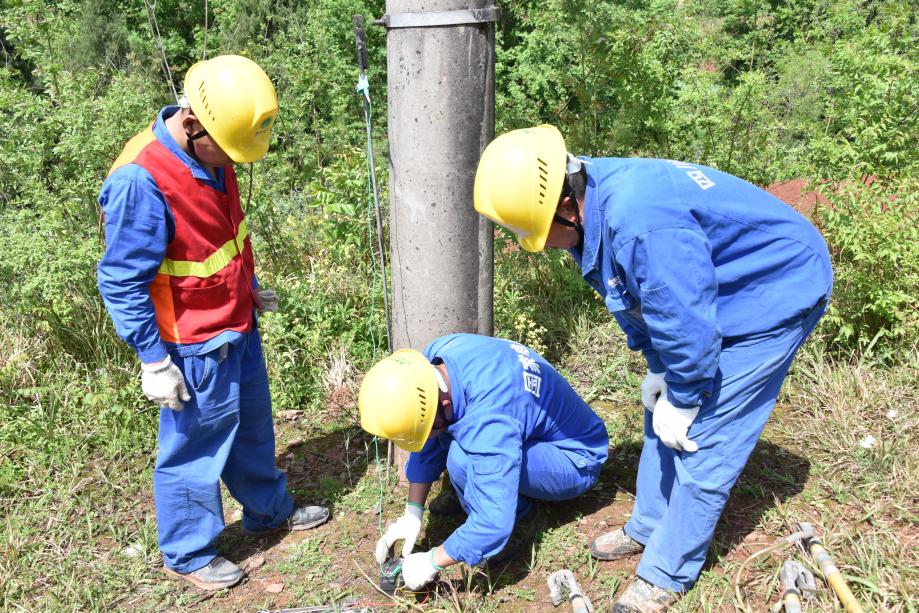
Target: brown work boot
{"x": 643, "y": 597}
{"x": 614, "y": 545}
{"x": 219, "y": 574}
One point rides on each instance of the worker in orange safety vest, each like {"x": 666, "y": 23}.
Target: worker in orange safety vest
{"x": 178, "y": 279}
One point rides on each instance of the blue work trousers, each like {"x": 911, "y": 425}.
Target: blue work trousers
{"x": 546, "y": 473}
{"x": 679, "y": 495}
{"x": 224, "y": 432}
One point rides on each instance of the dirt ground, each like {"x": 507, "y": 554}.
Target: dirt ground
{"x": 334, "y": 563}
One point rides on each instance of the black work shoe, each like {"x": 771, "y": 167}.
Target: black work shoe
{"x": 303, "y": 518}
{"x": 614, "y": 546}
{"x": 447, "y": 504}
{"x": 643, "y": 597}
{"x": 219, "y": 574}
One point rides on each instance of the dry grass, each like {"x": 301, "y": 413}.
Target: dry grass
{"x": 78, "y": 530}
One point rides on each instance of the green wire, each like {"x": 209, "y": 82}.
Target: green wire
{"x": 373, "y": 291}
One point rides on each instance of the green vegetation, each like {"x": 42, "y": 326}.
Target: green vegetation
{"x": 766, "y": 89}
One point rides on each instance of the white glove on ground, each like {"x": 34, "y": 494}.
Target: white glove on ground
{"x": 652, "y": 388}
{"x": 266, "y": 300}
{"x": 164, "y": 384}
{"x": 671, "y": 424}
{"x": 419, "y": 569}
{"x": 406, "y": 527}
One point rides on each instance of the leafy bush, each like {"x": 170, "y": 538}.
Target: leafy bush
{"x": 315, "y": 249}
{"x": 873, "y": 233}
{"x": 540, "y": 298}
{"x": 871, "y": 96}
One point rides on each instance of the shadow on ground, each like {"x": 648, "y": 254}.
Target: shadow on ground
{"x": 320, "y": 470}
{"x": 773, "y": 474}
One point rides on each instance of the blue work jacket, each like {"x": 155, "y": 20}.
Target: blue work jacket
{"x": 689, "y": 259}
{"x": 504, "y": 394}
{"x": 138, "y": 228}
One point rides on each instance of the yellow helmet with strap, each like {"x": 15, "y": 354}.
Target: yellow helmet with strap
{"x": 236, "y": 103}
{"x": 398, "y": 399}
{"x": 519, "y": 182}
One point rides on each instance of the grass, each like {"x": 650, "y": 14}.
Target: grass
{"x": 79, "y": 528}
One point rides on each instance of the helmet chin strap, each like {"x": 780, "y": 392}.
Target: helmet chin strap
{"x": 190, "y": 142}
{"x": 573, "y": 168}
{"x": 573, "y": 224}
{"x": 191, "y": 138}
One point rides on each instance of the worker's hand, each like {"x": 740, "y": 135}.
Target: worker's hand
{"x": 671, "y": 424}
{"x": 405, "y": 528}
{"x": 266, "y": 300}
{"x": 164, "y": 384}
{"x": 418, "y": 570}
{"x": 652, "y": 388}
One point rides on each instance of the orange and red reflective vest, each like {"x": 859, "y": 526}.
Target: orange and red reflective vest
{"x": 204, "y": 285}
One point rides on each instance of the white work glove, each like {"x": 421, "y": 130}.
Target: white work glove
{"x": 419, "y": 569}
{"x": 652, "y": 388}
{"x": 164, "y": 384}
{"x": 266, "y": 300}
{"x": 671, "y": 424}
{"x": 406, "y": 527}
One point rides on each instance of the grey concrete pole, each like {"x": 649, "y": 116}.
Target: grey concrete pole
{"x": 441, "y": 115}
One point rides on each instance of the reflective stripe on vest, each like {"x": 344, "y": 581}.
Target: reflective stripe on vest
{"x": 215, "y": 262}
{"x": 203, "y": 286}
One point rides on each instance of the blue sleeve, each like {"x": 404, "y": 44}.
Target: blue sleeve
{"x": 493, "y": 444}
{"x": 673, "y": 273}
{"x": 427, "y": 465}
{"x": 638, "y": 340}
{"x": 138, "y": 226}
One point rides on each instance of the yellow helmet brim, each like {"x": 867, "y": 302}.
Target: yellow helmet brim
{"x": 519, "y": 181}
{"x": 398, "y": 399}
{"x": 236, "y": 103}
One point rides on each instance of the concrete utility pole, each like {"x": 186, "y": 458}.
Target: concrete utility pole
{"x": 440, "y": 78}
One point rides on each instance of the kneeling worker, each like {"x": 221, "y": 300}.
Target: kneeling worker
{"x": 503, "y": 422}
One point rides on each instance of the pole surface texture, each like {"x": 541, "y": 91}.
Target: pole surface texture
{"x": 441, "y": 115}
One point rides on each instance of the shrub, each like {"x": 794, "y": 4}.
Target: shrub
{"x": 873, "y": 234}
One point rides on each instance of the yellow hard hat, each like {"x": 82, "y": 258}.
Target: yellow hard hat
{"x": 235, "y": 102}
{"x": 519, "y": 181}
{"x": 398, "y": 399}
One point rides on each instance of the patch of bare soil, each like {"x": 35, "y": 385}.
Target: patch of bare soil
{"x": 308, "y": 568}
{"x": 801, "y": 195}
{"x": 797, "y": 194}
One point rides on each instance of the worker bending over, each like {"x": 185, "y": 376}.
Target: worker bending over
{"x": 178, "y": 279}
{"x": 506, "y": 426}
{"x": 714, "y": 280}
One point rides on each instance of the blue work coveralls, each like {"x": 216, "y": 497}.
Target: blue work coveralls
{"x": 226, "y": 430}
{"x": 718, "y": 284}
{"x": 518, "y": 432}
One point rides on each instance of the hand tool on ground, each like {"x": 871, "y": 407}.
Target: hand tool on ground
{"x": 804, "y": 531}
{"x": 831, "y": 574}
{"x": 391, "y": 575}
{"x": 796, "y": 581}
{"x": 562, "y": 582}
